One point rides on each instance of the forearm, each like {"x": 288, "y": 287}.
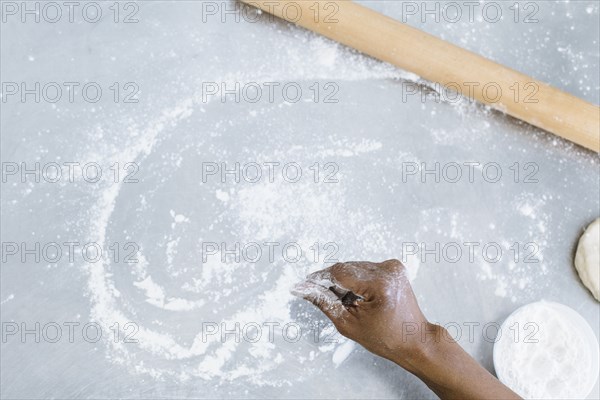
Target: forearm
{"x": 452, "y": 373}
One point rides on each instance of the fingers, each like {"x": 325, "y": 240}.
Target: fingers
{"x": 322, "y": 277}
{"x": 341, "y": 279}
{"x": 393, "y": 264}
{"x": 353, "y": 276}
{"x": 363, "y": 280}
{"x": 325, "y": 299}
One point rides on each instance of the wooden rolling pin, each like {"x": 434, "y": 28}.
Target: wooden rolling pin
{"x": 438, "y": 61}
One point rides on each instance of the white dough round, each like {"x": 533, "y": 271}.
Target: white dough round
{"x": 587, "y": 258}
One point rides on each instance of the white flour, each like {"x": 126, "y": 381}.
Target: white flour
{"x": 9, "y": 298}
{"x": 547, "y": 352}
{"x": 263, "y": 212}
{"x": 158, "y": 295}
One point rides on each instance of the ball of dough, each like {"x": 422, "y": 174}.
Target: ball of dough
{"x": 587, "y": 258}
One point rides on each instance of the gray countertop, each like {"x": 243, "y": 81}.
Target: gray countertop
{"x": 368, "y": 143}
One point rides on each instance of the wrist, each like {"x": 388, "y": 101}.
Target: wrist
{"x": 426, "y": 350}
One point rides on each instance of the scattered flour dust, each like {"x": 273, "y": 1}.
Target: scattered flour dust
{"x": 522, "y": 257}
{"x": 258, "y": 212}
{"x": 342, "y": 352}
{"x": 9, "y": 298}
{"x": 160, "y": 295}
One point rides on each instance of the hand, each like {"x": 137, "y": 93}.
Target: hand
{"x": 374, "y": 305}
{"x": 381, "y": 312}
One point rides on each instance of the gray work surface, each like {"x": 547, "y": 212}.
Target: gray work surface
{"x": 367, "y": 130}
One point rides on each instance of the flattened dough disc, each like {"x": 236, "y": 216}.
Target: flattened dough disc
{"x": 587, "y": 258}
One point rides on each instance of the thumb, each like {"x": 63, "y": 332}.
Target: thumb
{"x": 326, "y": 300}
